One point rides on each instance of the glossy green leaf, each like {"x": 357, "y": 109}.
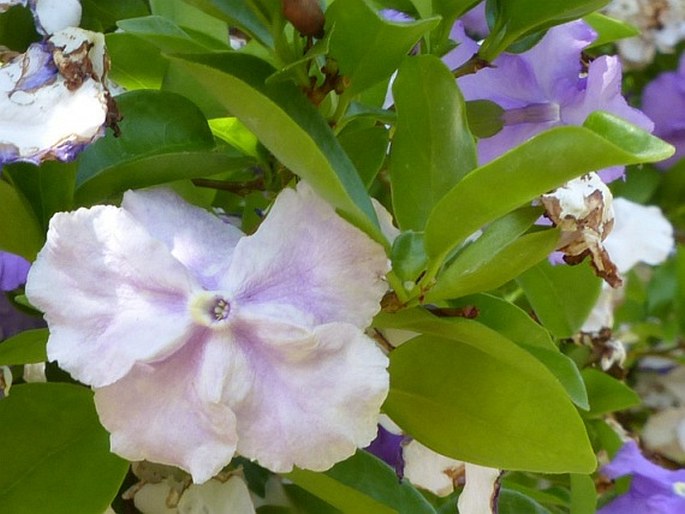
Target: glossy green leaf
{"x": 24, "y": 348}
{"x": 164, "y": 137}
{"x": 245, "y": 15}
{"x": 17, "y": 28}
{"x": 609, "y": 29}
{"x": 543, "y": 163}
{"x": 54, "y": 453}
{"x": 515, "y": 19}
{"x": 289, "y": 126}
{"x": 363, "y": 483}
{"x": 209, "y": 29}
{"x": 607, "y": 394}
{"x": 495, "y": 270}
{"x": 583, "y": 494}
{"x": 449, "y": 10}
{"x": 49, "y": 188}
{"x": 162, "y": 33}
{"x": 236, "y": 134}
{"x": 566, "y": 372}
{"x": 102, "y": 15}
{"x": 409, "y": 256}
{"x": 485, "y": 117}
{"x": 562, "y": 296}
{"x": 367, "y": 148}
{"x": 515, "y": 502}
{"x": 136, "y": 63}
{"x": 507, "y": 319}
{"x": 432, "y": 148}
{"x": 366, "y": 47}
{"x": 22, "y": 233}
{"x": 469, "y": 393}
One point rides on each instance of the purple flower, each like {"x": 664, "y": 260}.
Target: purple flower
{"x": 387, "y": 446}
{"x": 13, "y": 270}
{"x": 201, "y": 342}
{"x": 653, "y": 490}
{"x": 663, "y": 100}
{"x": 545, "y": 87}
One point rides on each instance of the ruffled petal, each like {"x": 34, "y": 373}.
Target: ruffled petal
{"x": 53, "y": 101}
{"x": 480, "y": 492}
{"x": 196, "y": 238}
{"x": 112, "y": 295}
{"x": 155, "y": 413}
{"x": 305, "y": 256}
{"x": 313, "y": 397}
{"x": 640, "y": 234}
{"x": 603, "y": 92}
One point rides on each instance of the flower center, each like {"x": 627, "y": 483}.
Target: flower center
{"x": 533, "y": 113}
{"x": 209, "y": 308}
{"x": 679, "y": 488}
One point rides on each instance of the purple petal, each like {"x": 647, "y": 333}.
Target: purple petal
{"x": 603, "y": 92}
{"x": 112, "y": 295}
{"x": 38, "y": 68}
{"x": 156, "y": 413}
{"x": 314, "y": 396}
{"x": 475, "y": 22}
{"x": 306, "y": 257}
{"x": 466, "y": 47}
{"x": 13, "y": 271}
{"x": 388, "y": 447}
{"x": 13, "y": 321}
{"x": 199, "y": 240}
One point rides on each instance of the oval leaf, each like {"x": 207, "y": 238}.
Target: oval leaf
{"x": 24, "y": 348}
{"x": 54, "y": 453}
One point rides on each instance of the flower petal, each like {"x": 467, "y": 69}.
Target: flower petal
{"x": 196, "y": 238}
{"x": 480, "y": 492}
{"x": 54, "y": 15}
{"x": 307, "y": 257}
{"x": 155, "y": 413}
{"x": 112, "y": 295}
{"x": 13, "y": 271}
{"x": 314, "y": 396}
{"x": 53, "y": 101}
{"x": 430, "y": 470}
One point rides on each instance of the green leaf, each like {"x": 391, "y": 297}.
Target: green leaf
{"x": 289, "y": 126}
{"x": 368, "y": 48}
{"x": 17, "y": 28}
{"x": 54, "y": 453}
{"x": 244, "y": 15}
{"x": 236, "y": 134}
{"x": 495, "y": 270}
{"x": 545, "y": 162}
{"x": 609, "y": 29}
{"x": 432, "y": 148}
{"x": 516, "y": 19}
{"x": 367, "y": 148}
{"x": 514, "y": 502}
{"x": 469, "y": 393}
{"x": 23, "y": 234}
{"x": 136, "y": 63}
{"x": 363, "y": 483}
{"x": 583, "y": 494}
{"x": 562, "y": 296}
{"x": 24, "y": 348}
{"x": 164, "y": 137}
{"x": 195, "y": 21}
{"x": 607, "y": 394}
{"x": 485, "y": 117}
{"x": 566, "y": 372}
{"x": 508, "y": 319}
{"x": 102, "y": 15}
{"x": 162, "y": 33}
{"x": 408, "y": 255}
{"x": 49, "y": 188}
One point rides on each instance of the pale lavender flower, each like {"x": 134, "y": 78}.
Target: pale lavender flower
{"x": 663, "y": 100}
{"x": 13, "y": 271}
{"x": 475, "y": 22}
{"x": 653, "y": 490}
{"x": 545, "y": 87}
{"x": 201, "y": 342}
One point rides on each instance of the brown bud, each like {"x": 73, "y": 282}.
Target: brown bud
{"x": 305, "y": 15}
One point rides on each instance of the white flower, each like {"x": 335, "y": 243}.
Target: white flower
{"x": 200, "y": 341}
